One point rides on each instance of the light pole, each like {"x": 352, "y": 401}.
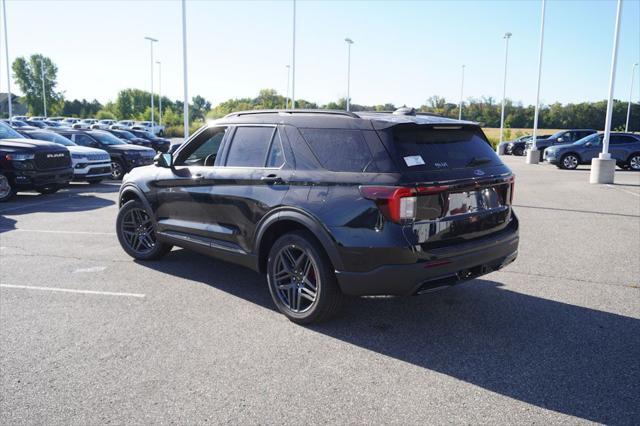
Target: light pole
{"x": 603, "y": 168}
{"x": 185, "y": 104}
{"x": 6, "y": 56}
{"x": 507, "y": 36}
{"x": 159, "y": 92}
{"x": 286, "y": 99}
{"x": 44, "y": 93}
{"x": 151, "y": 41}
{"x": 533, "y": 156}
{"x": 461, "y": 91}
{"x": 293, "y": 60}
{"x": 349, "y": 43}
{"x": 633, "y": 74}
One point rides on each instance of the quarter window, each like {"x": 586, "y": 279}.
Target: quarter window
{"x": 339, "y": 150}
{"x": 250, "y": 146}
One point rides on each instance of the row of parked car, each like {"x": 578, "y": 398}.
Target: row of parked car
{"x": 567, "y": 149}
{"x": 86, "y": 123}
{"x": 46, "y": 159}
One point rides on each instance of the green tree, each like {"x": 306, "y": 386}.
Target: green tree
{"x": 28, "y": 74}
{"x": 200, "y": 108}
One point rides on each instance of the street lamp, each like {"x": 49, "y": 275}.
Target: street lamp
{"x": 461, "y": 91}
{"x": 185, "y": 104}
{"x": 159, "y": 91}
{"x": 293, "y": 60}
{"x": 533, "y": 156}
{"x": 603, "y": 168}
{"x": 6, "y": 55}
{"x": 44, "y": 93}
{"x": 507, "y": 36}
{"x": 151, "y": 41}
{"x": 349, "y": 43}
{"x": 286, "y": 99}
{"x": 633, "y": 74}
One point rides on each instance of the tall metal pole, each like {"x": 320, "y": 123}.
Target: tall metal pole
{"x": 6, "y": 56}
{"x": 612, "y": 81}
{"x": 159, "y": 91}
{"x": 185, "y": 110}
{"x": 44, "y": 93}
{"x": 633, "y": 74}
{"x": 151, "y": 41}
{"x": 293, "y": 60}
{"x": 286, "y": 99}
{"x": 349, "y": 43}
{"x": 533, "y": 157}
{"x": 507, "y": 36}
{"x": 461, "y": 91}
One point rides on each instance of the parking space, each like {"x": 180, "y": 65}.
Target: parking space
{"x": 89, "y": 336}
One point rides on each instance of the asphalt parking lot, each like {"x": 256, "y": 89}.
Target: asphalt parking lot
{"x": 553, "y": 338}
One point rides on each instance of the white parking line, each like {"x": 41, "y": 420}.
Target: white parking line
{"x": 90, "y": 270}
{"x": 624, "y": 190}
{"x": 50, "y": 231}
{"x": 70, "y": 290}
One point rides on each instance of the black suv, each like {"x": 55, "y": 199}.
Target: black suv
{"x": 124, "y": 156}
{"x": 157, "y": 143}
{"x": 562, "y": 137}
{"x": 329, "y": 204}
{"x": 27, "y": 164}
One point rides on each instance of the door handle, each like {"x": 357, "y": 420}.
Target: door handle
{"x": 272, "y": 179}
{"x": 197, "y": 176}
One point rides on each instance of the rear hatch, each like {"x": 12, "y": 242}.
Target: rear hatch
{"x": 462, "y": 189}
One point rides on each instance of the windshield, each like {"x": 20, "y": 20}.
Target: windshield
{"x": 107, "y": 138}
{"x": 51, "y": 137}
{"x": 7, "y": 132}
{"x": 126, "y": 135}
{"x": 594, "y": 139}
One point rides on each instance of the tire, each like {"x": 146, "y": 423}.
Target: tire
{"x": 569, "y": 162}
{"x": 117, "y": 169}
{"x": 634, "y": 162}
{"x": 296, "y": 265}
{"x": 6, "y": 190}
{"x": 136, "y": 233}
{"x": 94, "y": 181}
{"x": 46, "y": 190}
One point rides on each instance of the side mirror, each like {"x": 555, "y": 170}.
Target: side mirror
{"x": 587, "y": 144}
{"x": 560, "y": 139}
{"x": 163, "y": 160}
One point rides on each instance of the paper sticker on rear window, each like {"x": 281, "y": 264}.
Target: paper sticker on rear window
{"x": 414, "y": 160}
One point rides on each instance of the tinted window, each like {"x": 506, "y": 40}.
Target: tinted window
{"x": 107, "y": 138}
{"x": 276, "y": 154}
{"x": 84, "y": 140}
{"x": 204, "y": 146}
{"x": 249, "y": 147}
{"x": 339, "y": 150}
{"x": 51, "y": 137}
{"x": 621, "y": 140}
{"x": 422, "y": 148}
{"x": 7, "y": 132}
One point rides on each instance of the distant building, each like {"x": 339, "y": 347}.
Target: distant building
{"x": 17, "y": 108}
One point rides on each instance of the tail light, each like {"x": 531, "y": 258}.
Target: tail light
{"x": 398, "y": 203}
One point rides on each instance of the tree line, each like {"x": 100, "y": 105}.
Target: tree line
{"x": 134, "y": 104}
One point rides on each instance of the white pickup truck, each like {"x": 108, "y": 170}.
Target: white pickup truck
{"x": 149, "y": 126}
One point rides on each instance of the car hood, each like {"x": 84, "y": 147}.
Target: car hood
{"x": 77, "y": 149}
{"x": 130, "y": 147}
{"x": 14, "y": 145}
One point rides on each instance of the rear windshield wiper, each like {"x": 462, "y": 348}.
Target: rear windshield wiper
{"x": 475, "y": 161}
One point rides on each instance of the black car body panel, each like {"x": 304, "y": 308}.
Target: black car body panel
{"x": 464, "y": 225}
{"x": 157, "y": 143}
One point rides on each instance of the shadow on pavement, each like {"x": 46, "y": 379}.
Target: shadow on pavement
{"x": 573, "y": 360}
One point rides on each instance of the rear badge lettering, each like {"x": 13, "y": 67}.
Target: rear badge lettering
{"x": 478, "y": 172}
{"x": 441, "y": 165}
{"x": 414, "y": 160}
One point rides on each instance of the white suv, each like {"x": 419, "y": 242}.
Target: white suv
{"x": 85, "y": 123}
{"x": 104, "y": 124}
{"x": 150, "y": 126}
{"x": 124, "y": 124}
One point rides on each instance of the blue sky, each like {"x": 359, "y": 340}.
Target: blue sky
{"x": 404, "y": 51}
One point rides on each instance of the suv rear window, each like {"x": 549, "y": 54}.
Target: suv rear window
{"x": 339, "y": 150}
{"x": 422, "y": 148}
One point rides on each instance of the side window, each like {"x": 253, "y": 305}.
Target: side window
{"x": 249, "y": 147}
{"x": 621, "y": 140}
{"x": 339, "y": 150}
{"x": 202, "y": 151}
{"x": 275, "y": 158}
{"x": 84, "y": 140}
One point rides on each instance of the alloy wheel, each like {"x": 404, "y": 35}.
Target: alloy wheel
{"x": 296, "y": 278}
{"x": 570, "y": 162}
{"x": 634, "y": 162}
{"x": 5, "y": 187}
{"x": 137, "y": 230}
{"x": 116, "y": 170}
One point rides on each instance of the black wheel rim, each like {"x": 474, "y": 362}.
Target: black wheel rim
{"x": 116, "y": 170}
{"x": 5, "y": 187}
{"x": 137, "y": 230}
{"x": 296, "y": 279}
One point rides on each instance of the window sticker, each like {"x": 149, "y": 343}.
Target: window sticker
{"x": 414, "y": 160}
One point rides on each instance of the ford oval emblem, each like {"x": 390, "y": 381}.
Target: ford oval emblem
{"x": 478, "y": 172}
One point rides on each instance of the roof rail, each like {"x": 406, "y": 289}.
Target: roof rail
{"x": 293, "y": 111}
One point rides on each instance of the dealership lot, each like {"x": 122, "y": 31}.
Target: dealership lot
{"x": 104, "y": 339}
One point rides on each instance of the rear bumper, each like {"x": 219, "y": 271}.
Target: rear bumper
{"x": 448, "y": 266}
